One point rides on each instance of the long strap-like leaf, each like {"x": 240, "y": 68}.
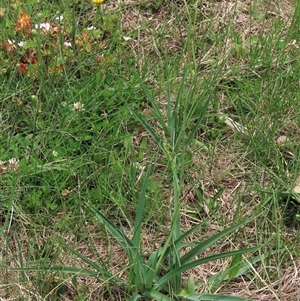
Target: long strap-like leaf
{"x": 167, "y": 277}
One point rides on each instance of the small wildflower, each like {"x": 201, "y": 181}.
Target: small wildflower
{"x": 126, "y": 38}
{"x": 8, "y": 45}
{"x": 55, "y": 153}
{"x": 91, "y": 28}
{"x": 46, "y": 26}
{"x": 78, "y": 106}
{"x": 294, "y": 44}
{"x": 97, "y": 1}
{"x": 21, "y": 43}
{"x": 59, "y": 18}
{"x": 68, "y": 44}
{"x": 13, "y": 164}
{"x": 65, "y": 194}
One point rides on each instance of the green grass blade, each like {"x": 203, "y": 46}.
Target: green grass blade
{"x": 172, "y": 273}
{"x": 137, "y": 268}
{"x": 215, "y": 280}
{"x": 78, "y": 254}
{"x": 210, "y": 241}
{"x": 102, "y": 272}
{"x": 136, "y": 240}
{"x": 85, "y": 272}
{"x": 156, "y": 258}
{"x": 104, "y": 275}
{"x": 175, "y": 217}
{"x": 175, "y": 232}
{"x": 120, "y": 237}
{"x": 188, "y": 233}
{"x": 208, "y": 297}
{"x": 150, "y": 131}
{"x": 175, "y": 126}
{"x": 20, "y": 255}
{"x": 294, "y": 27}
{"x": 155, "y": 108}
{"x": 153, "y": 257}
{"x": 165, "y": 251}
{"x": 199, "y": 120}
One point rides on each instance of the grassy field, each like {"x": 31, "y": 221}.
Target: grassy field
{"x": 149, "y": 150}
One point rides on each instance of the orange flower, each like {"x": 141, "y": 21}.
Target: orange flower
{"x": 23, "y": 22}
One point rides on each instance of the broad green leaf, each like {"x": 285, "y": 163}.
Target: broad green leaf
{"x": 168, "y": 276}
{"x": 191, "y": 285}
{"x": 210, "y": 241}
{"x": 136, "y": 240}
{"x": 135, "y": 297}
{"x": 152, "y": 270}
{"x": 137, "y": 269}
{"x": 207, "y": 297}
{"x": 138, "y": 272}
{"x": 234, "y": 266}
{"x": 188, "y": 233}
{"x": 175, "y": 229}
{"x": 156, "y": 295}
{"x": 168, "y": 247}
{"x": 215, "y": 280}
{"x": 73, "y": 270}
{"x": 153, "y": 257}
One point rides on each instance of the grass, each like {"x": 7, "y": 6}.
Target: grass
{"x": 196, "y": 99}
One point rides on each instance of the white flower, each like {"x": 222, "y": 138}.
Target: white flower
{"x": 91, "y": 28}
{"x": 21, "y": 43}
{"x": 59, "y": 18}
{"x": 13, "y": 164}
{"x": 13, "y": 161}
{"x": 68, "y": 44}
{"x": 126, "y": 38}
{"x": 78, "y": 106}
{"x": 46, "y": 26}
{"x": 55, "y": 153}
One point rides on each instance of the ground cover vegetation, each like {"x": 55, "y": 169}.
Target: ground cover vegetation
{"x": 149, "y": 150}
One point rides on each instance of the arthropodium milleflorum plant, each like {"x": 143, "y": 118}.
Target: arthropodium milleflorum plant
{"x": 144, "y": 279}
{"x": 176, "y": 140}
{"x": 150, "y": 278}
